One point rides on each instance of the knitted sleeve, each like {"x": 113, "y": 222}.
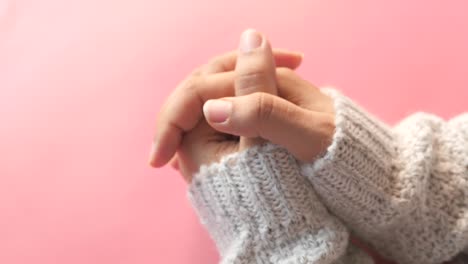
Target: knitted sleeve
{"x": 258, "y": 208}
{"x": 402, "y": 189}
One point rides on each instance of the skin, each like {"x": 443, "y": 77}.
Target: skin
{"x": 182, "y": 111}
{"x": 266, "y": 96}
{"x": 270, "y": 102}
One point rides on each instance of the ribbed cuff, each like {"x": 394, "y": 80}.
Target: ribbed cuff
{"x": 259, "y": 209}
{"x": 397, "y": 188}
{"x": 354, "y": 177}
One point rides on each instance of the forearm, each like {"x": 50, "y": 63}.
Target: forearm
{"x": 403, "y": 189}
{"x": 259, "y": 209}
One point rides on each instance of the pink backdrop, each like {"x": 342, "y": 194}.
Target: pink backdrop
{"x": 81, "y": 83}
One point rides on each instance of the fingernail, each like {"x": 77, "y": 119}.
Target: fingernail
{"x": 250, "y": 40}
{"x": 217, "y": 111}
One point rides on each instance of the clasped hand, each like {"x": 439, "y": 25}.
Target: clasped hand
{"x": 238, "y": 100}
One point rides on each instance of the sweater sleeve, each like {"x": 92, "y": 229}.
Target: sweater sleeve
{"x": 404, "y": 189}
{"x": 258, "y": 208}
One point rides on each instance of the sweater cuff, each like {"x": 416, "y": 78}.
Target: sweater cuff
{"x": 259, "y": 209}
{"x": 352, "y": 177}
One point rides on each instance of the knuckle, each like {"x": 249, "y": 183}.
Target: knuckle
{"x": 191, "y": 89}
{"x": 219, "y": 63}
{"x": 215, "y": 65}
{"x": 198, "y": 71}
{"x": 265, "y": 107}
{"x": 215, "y": 60}
{"x": 285, "y": 75}
{"x": 284, "y": 72}
{"x": 252, "y": 81}
{"x": 192, "y": 83}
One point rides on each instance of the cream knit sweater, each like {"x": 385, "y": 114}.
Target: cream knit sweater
{"x": 404, "y": 190}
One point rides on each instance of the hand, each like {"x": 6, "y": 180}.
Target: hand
{"x": 300, "y": 119}
{"x": 181, "y": 117}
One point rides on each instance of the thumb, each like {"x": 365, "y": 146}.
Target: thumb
{"x": 304, "y": 133}
{"x": 255, "y": 71}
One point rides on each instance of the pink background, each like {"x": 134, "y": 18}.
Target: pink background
{"x": 81, "y": 83}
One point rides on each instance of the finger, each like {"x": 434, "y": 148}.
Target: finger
{"x": 293, "y": 88}
{"x": 227, "y": 61}
{"x": 255, "y": 71}
{"x": 174, "y": 163}
{"x": 304, "y": 133}
{"x": 183, "y": 110}
{"x": 255, "y": 67}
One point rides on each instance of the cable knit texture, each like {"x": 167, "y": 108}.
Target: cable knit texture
{"x": 258, "y": 208}
{"x": 404, "y": 190}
